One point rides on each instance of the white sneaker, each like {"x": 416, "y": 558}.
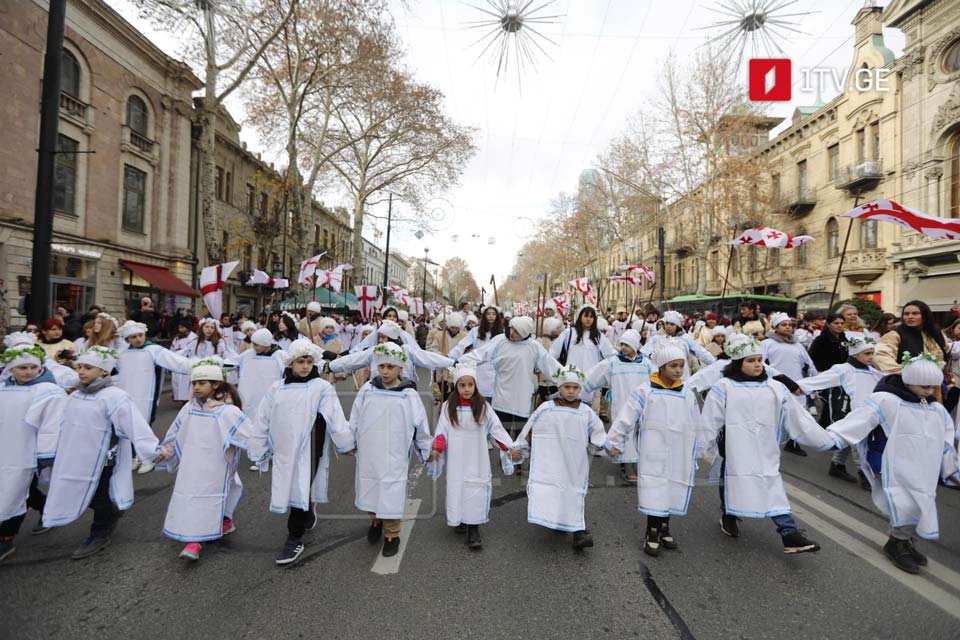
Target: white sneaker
{"x": 146, "y": 467}
{"x": 135, "y": 464}
{"x": 264, "y": 468}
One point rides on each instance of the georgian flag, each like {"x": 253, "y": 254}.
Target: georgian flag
{"x": 416, "y": 305}
{"x": 770, "y": 238}
{"x": 369, "y": 299}
{"x": 396, "y": 290}
{"x": 890, "y": 211}
{"x": 634, "y": 280}
{"x": 646, "y": 272}
{"x": 262, "y": 277}
{"x": 583, "y": 286}
{"x": 332, "y": 278}
{"x": 563, "y": 306}
{"x": 212, "y": 280}
{"x": 307, "y": 269}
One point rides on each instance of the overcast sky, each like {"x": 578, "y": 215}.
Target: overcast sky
{"x": 538, "y": 131}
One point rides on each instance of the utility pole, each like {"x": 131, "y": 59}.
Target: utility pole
{"x": 43, "y": 203}
{"x": 386, "y": 256}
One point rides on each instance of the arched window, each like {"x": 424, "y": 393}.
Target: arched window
{"x": 70, "y": 75}
{"x": 833, "y": 238}
{"x": 951, "y": 61}
{"x": 955, "y": 178}
{"x": 868, "y": 234}
{"x": 137, "y": 115}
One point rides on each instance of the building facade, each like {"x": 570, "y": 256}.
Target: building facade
{"x": 122, "y": 181}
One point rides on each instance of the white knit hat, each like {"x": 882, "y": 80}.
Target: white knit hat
{"x": 552, "y": 326}
{"x": 455, "y": 319}
{"x": 390, "y": 329}
{"x": 923, "y": 370}
{"x": 630, "y": 338}
{"x": 463, "y": 369}
{"x": 23, "y": 354}
{"x": 777, "y": 317}
{"x": 299, "y": 348}
{"x": 389, "y": 353}
{"x": 740, "y": 346}
{"x": 366, "y": 329}
{"x": 208, "y": 369}
{"x": 19, "y": 338}
{"x": 668, "y": 350}
{"x": 403, "y": 315}
{"x": 569, "y": 375}
{"x": 314, "y": 306}
{"x": 100, "y": 357}
{"x": 132, "y": 328}
{"x": 262, "y": 337}
{"x": 471, "y": 318}
{"x": 523, "y": 325}
{"x": 327, "y": 322}
{"x": 602, "y": 325}
{"x": 247, "y": 326}
{"x": 673, "y": 317}
{"x": 550, "y": 304}
{"x": 858, "y": 343}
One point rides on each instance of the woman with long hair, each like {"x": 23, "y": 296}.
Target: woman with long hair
{"x": 917, "y": 333}
{"x": 286, "y": 330}
{"x": 209, "y": 341}
{"x": 105, "y": 332}
{"x": 882, "y": 326}
{"x": 491, "y": 325}
{"x": 582, "y": 345}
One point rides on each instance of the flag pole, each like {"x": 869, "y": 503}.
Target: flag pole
{"x": 496, "y": 298}
{"x": 726, "y": 281}
{"x": 843, "y": 255}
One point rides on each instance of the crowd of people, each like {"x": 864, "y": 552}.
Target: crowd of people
{"x": 651, "y": 392}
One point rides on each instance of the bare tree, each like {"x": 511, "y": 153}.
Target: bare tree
{"x": 459, "y": 283}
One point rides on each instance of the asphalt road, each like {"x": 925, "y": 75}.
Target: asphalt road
{"x": 526, "y": 582}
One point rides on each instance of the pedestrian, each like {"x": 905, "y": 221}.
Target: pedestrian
{"x": 782, "y": 350}
{"x": 552, "y": 327}
{"x": 286, "y": 330}
{"x": 718, "y": 338}
{"x": 309, "y": 325}
{"x": 92, "y": 467}
{"x": 54, "y": 344}
{"x": 209, "y": 341}
{"x": 443, "y": 342}
{"x": 491, "y": 325}
{"x": 33, "y": 405}
{"x": 744, "y": 413}
{"x": 906, "y": 439}
{"x": 560, "y": 438}
{"x": 148, "y": 316}
{"x": 827, "y": 350}
{"x": 882, "y": 326}
{"x": 465, "y": 426}
{"x": 673, "y": 328}
{"x": 851, "y": 318}
{"x": 856, "y": 378}
{"x": 258, "y": 368}
{"x": 917, "y": 333}
{"x": 72, "y": 326}
{"x": 660, "y": 421}
{"x": 750, "y": 311}
{"x": 387, "y": 420}
{"x": 203, "y": 447}
{"x": 104, "y": 334}
{"x": 328, "y": 339}
{"x": 390, "y": 331}
{"x": 623, "y": 373}
{"x": 247, "y": 328}
{"x": 583, "y": 345}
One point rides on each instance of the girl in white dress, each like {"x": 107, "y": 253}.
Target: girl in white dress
{"x": 491, "y": 325}
{"x": 583, "y": 345}
{"x": 209, "y": 342}
{"x": 183, "y": 343}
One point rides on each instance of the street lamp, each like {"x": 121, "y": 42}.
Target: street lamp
{"x": 423, "y": 286}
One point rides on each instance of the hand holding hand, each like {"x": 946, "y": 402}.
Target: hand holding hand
{"x": 516, "y": 455}
{"x": 614, "y": 452}
{"x": 434, "y": 454}
{"x": 351, "y": 453}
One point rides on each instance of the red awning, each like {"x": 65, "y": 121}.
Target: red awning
{"x": 162, "y": 278}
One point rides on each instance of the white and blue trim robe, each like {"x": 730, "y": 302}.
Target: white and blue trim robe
{"x": 515, "y": 363}
{"x": 857, "y": 383}
{"x": 484, "y": 370}
{"x": 178, "y": 381}
{"x": 621, "y": 378}
{"x": 140, "y": 374}
{"x": 416, "y": 357}
{"x": 789, "y": 358}
{"x": 690, "y": 346}
{"x": 256, "y": 373}
{"x": 585, "y": 354}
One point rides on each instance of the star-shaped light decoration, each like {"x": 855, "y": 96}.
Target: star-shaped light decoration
{"x": 757, "y": 25}
{"x": 510, "y": 31}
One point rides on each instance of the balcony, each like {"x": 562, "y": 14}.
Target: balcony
{"x": 798, "y": 203}
{"x": 860, "y": 177}
{"x": 139, "y": 144}
{"x": 863, "y": 266}
{"x": 73, "y": 107}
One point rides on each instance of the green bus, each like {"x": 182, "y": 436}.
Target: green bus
{"x": 731, "y": 304}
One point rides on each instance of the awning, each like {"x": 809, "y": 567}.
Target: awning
{"x": 162, "y": 278}
{"x": 940, "y": 292}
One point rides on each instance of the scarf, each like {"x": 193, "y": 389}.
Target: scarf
{"x": 45, "y": 376}
{"x": 740, "y": 376}
{"x": 94, "y": 387}
{"x": 289, "y": 377}
{"x": 655, "y": 379}
{"x": 776, "y": 337}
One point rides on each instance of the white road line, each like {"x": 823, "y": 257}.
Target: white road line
{"x": 945, "y": 574}
{"x": 385, "y": 566}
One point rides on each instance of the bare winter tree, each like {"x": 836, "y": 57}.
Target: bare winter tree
{"x": 459, "y": 283}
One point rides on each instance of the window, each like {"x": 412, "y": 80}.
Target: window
{"x": 218, "y": 183}
{"x": 137, "y": 115}
{"x": 868, "y": 234}
{"x": 951, "y": 61}
{"x": 875, "y": 140}
{"x": 69, "y": 75}
{"x": 316, "y": 235}
{"x": 802, "y": 179}
{"x": 833, "y": 238}
{"x": 833, "y": 160}
{"x": 65, "y": 175}
{"x": 263, "y": 206}
{"x": 248, "y": 258}
{"x": 774, "y": 186}
{"x": 801, "y": 253}
{"x": 955, "y": 177}
{"x": 134, "y": 198}
{"x": 326, "y": 239}
{"x": 251, "y": 200}
{"x": 861, "y": 138}
{"x": 228, "y": 188}
{"x": 226, "y": 244}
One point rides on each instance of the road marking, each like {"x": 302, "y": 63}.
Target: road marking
{"x": 385, "y": 566}
{"x": 941, "y": 572}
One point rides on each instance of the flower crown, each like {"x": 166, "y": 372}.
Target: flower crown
{"x": 210, "y": 362}
{"x": 103, "y": 353}
{"x": 570, "y": 368}
{"x": 926, "y": 355}
{"x": 104, "y": 314}
{"x": 856, "y": 342}
{"x": 384, "y": 350}
{"x": 739, "y": 347}
{"x": 10, "y": 354}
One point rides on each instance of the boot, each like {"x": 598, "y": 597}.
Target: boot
{"x": 582, "y": 539}
{"x": 919, "y": 557}
{"x": 666, "y": 538}
{"x": 793, "y": 447}
{"x": 473, "y": 536}
{"x": 391, "y": 546}
{"x": 838, "y": 470}
{"x": 797, "y": 542}
{"x": 374, "y": 532}
{"x": 899, "y": 553}
{"x": 460, "y": 528}
{"x": 728, "y": 524}
{"x": 651, "y": 544}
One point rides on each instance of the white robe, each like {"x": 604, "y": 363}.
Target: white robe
{"x": 141, "y": 375}
{"x": 690, "y": 346}
{"x": 919, "y": 449}
{"x": 29, "y": 430}
{"x": 789, "y": 357}
{"x": 622, "y": 378}
{"x": 514, "y": 364}
{"x": 257, "y": 373}
{"x": 857, "y": 383}
{"x": 560, "y": 450}
{"x": 416, "y": 357}
{"x": 205, "y": 442}
{"x": 283, "y": 430}
{"x": 469, "y": 479}
{"x": 179, "y": 381}
{"x": 485, "y": 372}
{"x": 385, "y": 425}
{"x": 83, "y": 449}
{"x": 371, "y": 341}
{"x": 663, "y": 426}
{"x": 755, "y": 415}
{"x": 585, "y": 354}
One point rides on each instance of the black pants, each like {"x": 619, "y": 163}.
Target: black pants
{"x": 105, "y": 514}
{"x": 35, "y": 501}
{"x": 656, "y": 522}
{"x": 298, "y": 518}
{"x": 513, "y": 424}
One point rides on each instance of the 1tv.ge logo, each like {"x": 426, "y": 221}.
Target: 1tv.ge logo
{"x": 771, "y": 81}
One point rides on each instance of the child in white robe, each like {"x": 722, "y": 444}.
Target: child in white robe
{"x": 622, "y": 374}
{"x": 906, "y": 444}
{"x": 560, "y": 438}
{"x": 258, "y": 368}
{"x": 183, "y": 343}
{"x": 202, "y": 446}
{"x": 294, "y": 425}
{"x": 662, "y": 420}
{"x": 32, "y": 404}
{"x": 466, "y": 424}
{"x": 390, "y": 331}
{"x": 673, "y": 328}
{"x": 747, "y": 412}
{"x": 387, "y": 420}
{"x": 583, "y": 344}
{"x": 92, "y": 467}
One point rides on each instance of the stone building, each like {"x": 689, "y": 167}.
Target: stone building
{"x": 122, "y": 169}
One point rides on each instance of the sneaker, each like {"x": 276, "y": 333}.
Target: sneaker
{"x": 391, "y": 546}
{"x": 666, "y": 538}
{"x": 797, "y": 542}
{"x": 146, "y": 467}
{"x": 651, "y": 544}
{"x": 840, "y": 471}
{"x": 374, "y": 532}
{"x": 728, "y": 524}
{"x": 312, "y": 520}
{"x": 191, "y": 552}
{"x": 793, "y": 447}
{"x": 39, "y": 528}
{"x": 89, "y": 547}
{"x": 227, "y": 526}
{"x": 473, "y": 537}
{"x": 6, "y": 548}
{"x": 899, "y": 552}
{"x": 919, "y": 557}
{"x": 460, "y": 528}
{"x": 864, "y": 482}
{"x": 582, "y": 539}
{"x": 292, "y": 549}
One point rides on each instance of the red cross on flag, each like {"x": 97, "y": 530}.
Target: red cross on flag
{"x": 332, "y": 278}
{"x": 308, "y": 267}
{"x": 770, "y": 238}
{"x": 369, "y": 299}
{"x": 583, "y": 286}
{"x": 212, "y": 280}
{"x": 646, "y": 272}
{"x": 416, "y": 305}
{"x": 890, "y": 211}
{"x": 262, "y": 277}
{"x": 634, "y": 280}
